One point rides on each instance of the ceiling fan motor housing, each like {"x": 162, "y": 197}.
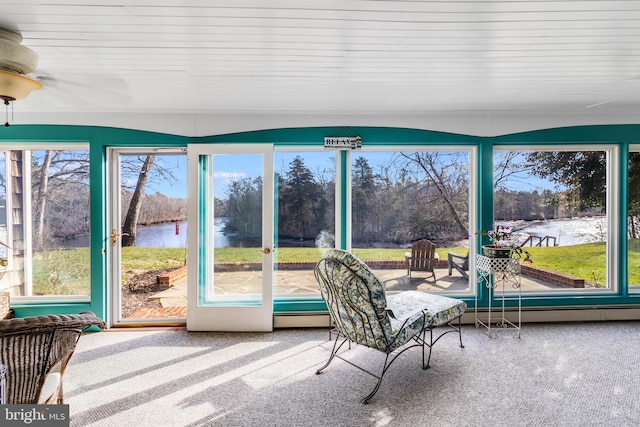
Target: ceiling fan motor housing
{"x": 16, "y": 61}
{"x": 14, "y": 56}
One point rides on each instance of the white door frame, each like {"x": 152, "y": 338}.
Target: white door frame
{"x": 114, "y": 252}
{"x": 202, "y": 316}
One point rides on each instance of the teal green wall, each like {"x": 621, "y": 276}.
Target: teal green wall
{"x": 98, "y": 138}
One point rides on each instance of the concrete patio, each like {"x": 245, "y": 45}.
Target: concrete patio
{"x": 174, "y": 299}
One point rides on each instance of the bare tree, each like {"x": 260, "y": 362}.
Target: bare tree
{"x": 509, "y": 166}
{"x": 436, "y": 172}
{"x": 58, "y": 177}
{"x": 129, "y": 228}
{"x": 38, "y": 238}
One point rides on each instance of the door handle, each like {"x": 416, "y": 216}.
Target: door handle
{"x": 265, "y": 250}
{"x": 114, "y": 236}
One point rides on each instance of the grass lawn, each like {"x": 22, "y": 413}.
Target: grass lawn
{"x": 61, "y": 272}
{"x": 67, "y": 272}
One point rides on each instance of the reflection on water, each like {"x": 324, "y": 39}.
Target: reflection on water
{"x": 164, "y": 235}
{"x": 567, "y": 232}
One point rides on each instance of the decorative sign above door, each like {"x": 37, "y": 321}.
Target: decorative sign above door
{"x": 343, "y": 142}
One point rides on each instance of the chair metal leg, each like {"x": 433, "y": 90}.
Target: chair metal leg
{"x": 389, "y": 359}
{"x": 377, "y": 387}
{"x": 334, "y": 350}
{"x": 431, "y": 342}
{"x": 430, "y": 345}
{"x": 420, "y": 340}
{"x": 423, "y": 342}
{"x": 460, "y": 331}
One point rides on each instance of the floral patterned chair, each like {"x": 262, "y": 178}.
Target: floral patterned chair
{"x": 362, "y": 313}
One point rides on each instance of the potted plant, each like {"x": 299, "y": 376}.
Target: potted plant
{"x": 503, "y": 245}
{"x": 3, "y": 261}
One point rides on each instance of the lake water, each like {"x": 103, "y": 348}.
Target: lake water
{"x": 162, "y": 235}
{"x": 165, "y": 236}
{"x": 158, "y": 236}
{"x": 566, "y": 231}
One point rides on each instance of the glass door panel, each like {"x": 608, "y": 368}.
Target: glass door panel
{"x": 148, "y": 236}
{"x": 232, "y": 194}
{"x": 305, "y": 220}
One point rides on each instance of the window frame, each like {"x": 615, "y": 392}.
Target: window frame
{"x": 8, "y": 208}
{"x": 28, "y": 149}
{"x": 635, "y": 290}
{"x": 612, "y": 155}
{"x": 474, "y": 188}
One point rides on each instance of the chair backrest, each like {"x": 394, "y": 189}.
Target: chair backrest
{"x": 465, "y": 263}
{"x": 355, "y": 298}
{"x": 31, "y": 347}
{"x": 423, "y": 256}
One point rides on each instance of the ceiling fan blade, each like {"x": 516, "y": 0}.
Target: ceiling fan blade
{"x": 85, "y": 89}
{"x": 608, "y": 101}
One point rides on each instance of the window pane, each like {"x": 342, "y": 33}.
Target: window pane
{"x": 633, "y": 225}
{"x": 305, "y": 219}
{"x": 48, "y": 230}
{"x": 4, "y": 236}
{"x": 399, "y": 198}
{"x": 554, "y": 203}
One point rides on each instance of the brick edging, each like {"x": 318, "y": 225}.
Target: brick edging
{"x": 564, "y": 280}
{"x": 173, "y": 276}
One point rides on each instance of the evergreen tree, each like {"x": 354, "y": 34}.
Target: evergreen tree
{"x": 583, "y": 172}
{"x": 300, "y": 196}
{"x": 244, "y": 208}
{"x": 363, "y": 200}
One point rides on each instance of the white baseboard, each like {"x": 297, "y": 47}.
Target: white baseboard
{"x": 321, "y": 320}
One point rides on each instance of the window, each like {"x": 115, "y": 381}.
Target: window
{"x": 305, "y": 219}
{"x": 633, "y": 220}
{"x": 45, "y": 221}
{"x": 5, "y": 254}
{"x": 400, "y": 197}
{"x": 557, "y": 204}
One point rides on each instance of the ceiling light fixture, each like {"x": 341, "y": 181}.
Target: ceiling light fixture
{"x": 16, "y": 61}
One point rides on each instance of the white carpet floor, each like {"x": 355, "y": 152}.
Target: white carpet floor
{"x": 576, "y": 374}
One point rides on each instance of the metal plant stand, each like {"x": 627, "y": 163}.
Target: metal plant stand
{"x": 496, "y": 272}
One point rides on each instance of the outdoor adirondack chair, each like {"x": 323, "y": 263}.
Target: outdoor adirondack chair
{"x": 459, "y": 262}
{"x": 422, "y": 257}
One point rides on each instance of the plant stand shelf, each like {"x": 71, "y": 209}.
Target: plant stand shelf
{"x": 496, "y": 273}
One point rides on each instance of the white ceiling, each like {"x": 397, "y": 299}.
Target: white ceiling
{"x": 331, "y": 56}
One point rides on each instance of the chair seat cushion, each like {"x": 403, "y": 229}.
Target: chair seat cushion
{"x": 441, "y": 310}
